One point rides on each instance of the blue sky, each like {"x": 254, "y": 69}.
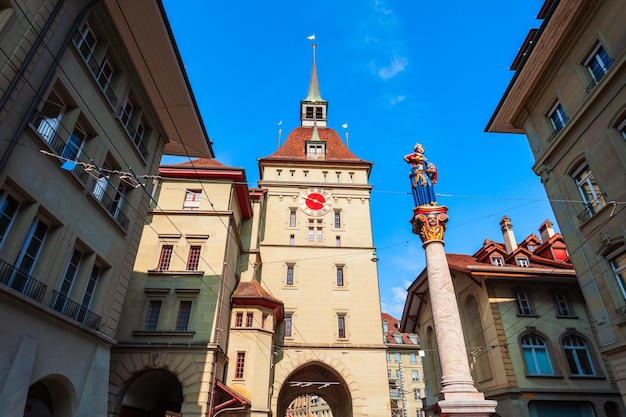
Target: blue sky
{"x": 397, "y": 72}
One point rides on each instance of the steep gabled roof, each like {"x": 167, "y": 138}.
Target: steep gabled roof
{"x": 294, "y": 147}
{"x": 252, "y": 294}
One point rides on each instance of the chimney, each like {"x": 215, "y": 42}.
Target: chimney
{"x": 508, "y": 235}
{"x": 546, "y": 231}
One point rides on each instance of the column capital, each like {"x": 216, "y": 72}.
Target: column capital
{"x": 429, "y": 223}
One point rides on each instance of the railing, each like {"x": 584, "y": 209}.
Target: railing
{"x": 113, "y": 206}
{"x": 592, "y": 208}
{"x": 134, "y": 136}
{"x": 95, "y": 67}
{"x": 24, "y": 283}
{"x": 557, "y": 130}
{"x": 73, "y": 310}
{"x": 394, "y": 394}
{"x": 48, "y": 130}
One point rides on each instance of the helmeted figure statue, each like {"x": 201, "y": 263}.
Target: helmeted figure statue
{"x": 423, "y": 176}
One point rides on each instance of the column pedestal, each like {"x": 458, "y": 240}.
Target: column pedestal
{"x": 459, "y": 396}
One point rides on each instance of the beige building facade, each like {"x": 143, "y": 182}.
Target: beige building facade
{"x": 567, "y": 96}
{"x": 405, "y": 369}
{"x": 529, "y": 336}
{"x": 86, "y": 92}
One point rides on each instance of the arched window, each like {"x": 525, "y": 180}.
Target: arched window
{"x": 536, "y": 355}
{"x": 578, "y": 357}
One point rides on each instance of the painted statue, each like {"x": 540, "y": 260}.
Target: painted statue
{"x": 423, "y": 176}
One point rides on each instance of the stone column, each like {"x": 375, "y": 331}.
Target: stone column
{"x": 459, "y": 396}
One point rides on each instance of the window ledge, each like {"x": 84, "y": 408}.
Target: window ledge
{"x": 169, "y": 333}
{"x": 172, "y": 272}
{"x": 527, "y": 315}
{"x": 575, "y": 377}
{"x": 544, "y": 376}
{"x": 566, "y": 317}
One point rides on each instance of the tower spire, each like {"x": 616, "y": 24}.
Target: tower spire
{"x": 314, "y": 88}
{"x": 313, "y": 108}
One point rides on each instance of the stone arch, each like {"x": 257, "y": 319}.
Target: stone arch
{"x": 128, "y": 367}
{"x": 329, "y": 368}
{"x": 52, "y": 396}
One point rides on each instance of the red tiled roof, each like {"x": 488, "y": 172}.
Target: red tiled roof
{"x": 393, "y": 330}
{"x": 295, "y": 145}
{"x": 201, "y": 163}
{"x": 253, "y": 290}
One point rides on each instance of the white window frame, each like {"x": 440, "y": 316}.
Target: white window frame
{"x": 192, "y": 199}
{"x": 9, "y": 207}
{"x": 497, "y": 261}
{"x": 562, "y": 305}
{"x": 524, "y": 308}
{"x": 558, "y": 118}
{"x": 523, "y": 262}
{"x": 292, "y": 217}
{"x": 576, "y": 349}
{"x": 618, "y": 264}
{"x": 601, "y": 64}
{"x": 533, "y": 344}
{"x": 81, "y": 39}
{"x": 589, "y": 190}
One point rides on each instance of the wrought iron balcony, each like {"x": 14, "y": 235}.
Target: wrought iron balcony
{"x": 73, "y": 310}
{"x": 113, "y": 205}
{"x": 19, "y": 281}
{"x": 48, "y": 129}
{"x": 592, "y": 208}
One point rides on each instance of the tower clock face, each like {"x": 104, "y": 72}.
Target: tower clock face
{"x": 315, "y": 202}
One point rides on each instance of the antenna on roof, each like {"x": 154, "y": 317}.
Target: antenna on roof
{"x": 345, "y": 126}
{"x": 280, "y": 133}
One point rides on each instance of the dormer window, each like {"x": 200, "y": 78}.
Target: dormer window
{"x": 523, "y": 262}
{"x": 497, "y": 261}
{"x": 398, "y": 338}
{"x": 315, "y": 149}
{"x": 532, "y": 248}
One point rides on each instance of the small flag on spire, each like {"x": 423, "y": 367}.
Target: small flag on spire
{"x": 345, "y": 125}
{"x": 311, "y": 38}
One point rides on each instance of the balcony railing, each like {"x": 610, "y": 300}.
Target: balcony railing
{"x": 394, "y": 394}
{"x": 73, "y": 310}
{"x": 48, "y": 130}
{"x": 113, "y": 206}
{"x": 24, "y": 283}
{"x": 592, "y": 208}
{"x": 95, "y": 67}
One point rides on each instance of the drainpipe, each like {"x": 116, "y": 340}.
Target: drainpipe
{"x": 47, "y": 79}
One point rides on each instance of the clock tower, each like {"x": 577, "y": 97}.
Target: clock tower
{"x": 317, "y": 257}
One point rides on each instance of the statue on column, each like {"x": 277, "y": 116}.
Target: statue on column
{"x": 423, "y": 176}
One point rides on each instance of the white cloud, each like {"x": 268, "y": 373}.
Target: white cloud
{"x": 397, "y": 99}
{"x": 395, "y": 299}
{"x": 397, "y": 65}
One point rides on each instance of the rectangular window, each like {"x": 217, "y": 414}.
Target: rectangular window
{"x": 165, "y": 258}
{"x": 126, "y": 113}
{"x": 562, "y": 306}
{"x": 288, "y": 324}
{"x": 619, "y": 269}
{"x": 28, "y": 255}
{"x": 48, "y": 121}
{"x": 415, "y": 376}
{"x": 154, "y": 310}
{"x": 292, "y": 240}
{"x": 184, "y": 312}
{"x": 289, "y": 274}
{"x": 193, "y": 261}
{"x": 340, "y": 282}
{"x": 249, "y": 319}
{"x": 598, "y": 63}
{"x": 341, "y": 326}
{"x": 239, "y": 320}
{"x": 240, "y": 365}
{"x": 338, "y": 241}
{"x": 311, "y": 233}
{"x": 523, "y": 303}
{"x": 523, "y": 262}
{"x": 416, "y": 394}
{"x": 589, "y": 191}
{"x": 397, "y": 358}
{"x": 337, "y": 219}
{"x": 621, "y": 128}
{"x": 192, "y": 199}
{"x": 413, "y": 358}
{"x": 557, "y": 117}
{"x": 85, "y": 41}
{"x": 263, "y": 320}
{"x": 90, "y": 290}
{"x": 68, "y": 280}
{"x": 8, "y": 210}
{"x": 292, "y": 218}
{"x": 319, "y": 234}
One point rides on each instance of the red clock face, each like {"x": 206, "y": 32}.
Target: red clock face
{"x": 315, "y": 201}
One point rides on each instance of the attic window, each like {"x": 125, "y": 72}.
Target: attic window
{"x": 523, "y": 262}
{"x": 315, "y": 149}
{"x": 398, "y": 338}
{"x": 497, "y": 261}
{"x": 532, "y": 248}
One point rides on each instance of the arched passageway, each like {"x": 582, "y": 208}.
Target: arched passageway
{"x": 49, "y": 398}
{"x": 153, "y": 393}
{"x": 316, "y": 379}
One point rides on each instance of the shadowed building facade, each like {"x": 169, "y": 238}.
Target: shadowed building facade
{"x": 87, "y": 91}
{"x": 567, "y": 95}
